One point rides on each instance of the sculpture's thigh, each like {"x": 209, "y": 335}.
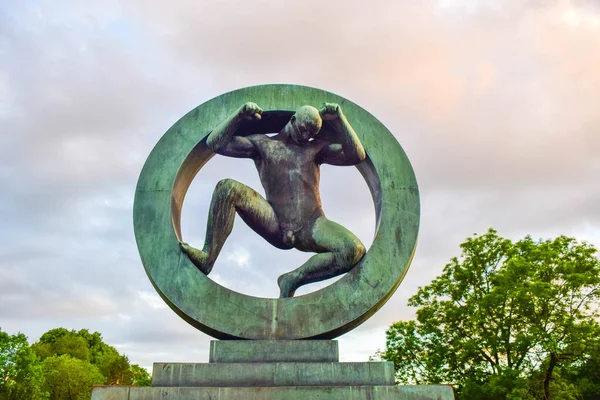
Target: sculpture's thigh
{"x": 329, "y": 236}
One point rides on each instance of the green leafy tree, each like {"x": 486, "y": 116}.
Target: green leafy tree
{"x": 21, "y": 375}
{"x": 90, "y": 347}
{"x": 586, "y": 375}
{"x": 63, "y": 364}
{"x": 502, "y": 319}
{"x": 69, "y": 378}
{"x": 139, "y": 376}
{"x": 59, "y": 341}
{"x": 114, "y": 366}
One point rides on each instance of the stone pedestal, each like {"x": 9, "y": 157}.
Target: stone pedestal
{"x": 277, "y": 369}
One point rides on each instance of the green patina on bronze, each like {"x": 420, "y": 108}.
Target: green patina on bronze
{"x": 225, "y": 314}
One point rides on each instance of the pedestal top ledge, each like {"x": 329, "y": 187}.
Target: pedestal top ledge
{"x": 266, "y": 351}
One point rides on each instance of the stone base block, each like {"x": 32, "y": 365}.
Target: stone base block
{"x": 251, "y": 351}
{"x": 434, "y": 392}
{"x": 273, "y": 374}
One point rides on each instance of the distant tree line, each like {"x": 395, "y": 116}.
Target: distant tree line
{"x": 506, "y": 321}
{"x": 63, "y": 364}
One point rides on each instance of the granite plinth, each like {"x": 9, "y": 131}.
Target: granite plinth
{"x": 269, "y": 372}
{"x": 264, "y": 351}
{"x": 424, "y": 392}
{"x": 273, "y": 374}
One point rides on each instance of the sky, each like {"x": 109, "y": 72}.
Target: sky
{"x": 496, "y": 104}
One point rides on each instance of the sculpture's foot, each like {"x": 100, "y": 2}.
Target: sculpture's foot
{"x": 286, "y": 284}
{"x": 197, "y": 257}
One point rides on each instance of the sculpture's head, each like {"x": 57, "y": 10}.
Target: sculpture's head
{"x": 304, "y": 125}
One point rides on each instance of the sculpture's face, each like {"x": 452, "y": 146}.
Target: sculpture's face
{"x": 304, "y": 125}
{"x": 301, "y": 133}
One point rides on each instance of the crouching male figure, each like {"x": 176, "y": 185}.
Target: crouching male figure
{"x": 291, "y": 216}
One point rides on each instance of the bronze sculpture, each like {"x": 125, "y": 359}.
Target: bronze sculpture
{"x": 291, "y": 215}
{"x": 225, "y": 314}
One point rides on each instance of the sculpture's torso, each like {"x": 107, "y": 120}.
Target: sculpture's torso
{"x": 290, "y": 176}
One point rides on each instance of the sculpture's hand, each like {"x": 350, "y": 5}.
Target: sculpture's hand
{"x": 330, "y": 111}
{"x": 250, "y": 111}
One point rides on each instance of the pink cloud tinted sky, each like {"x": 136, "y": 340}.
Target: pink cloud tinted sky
{"x": 495, "y": 102}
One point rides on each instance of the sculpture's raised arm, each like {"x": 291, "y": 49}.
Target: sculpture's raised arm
{"x": 222, "y": 139}
{"x": 349, "y": 150}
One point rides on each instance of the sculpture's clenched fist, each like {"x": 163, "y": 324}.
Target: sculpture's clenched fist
{"x": 251, "y": 111}
{"x": 330, "y": 111}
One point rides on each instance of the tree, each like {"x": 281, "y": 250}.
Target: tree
{"x": 63, "y": 364}
{"x": 90, "y": 347}
{"x": 139, "y": 376}
{"x": 586, "y": 375}
{"x": 59, "y": 341}
{"x": 69, "y": 378}
{"x": 20, "y": 370}
{"x": 502, "y": 319}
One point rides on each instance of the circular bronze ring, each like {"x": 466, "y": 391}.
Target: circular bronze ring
{"x": 225, "y": 314}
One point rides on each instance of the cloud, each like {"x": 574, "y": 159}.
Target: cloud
{"x": 494, "y": 102}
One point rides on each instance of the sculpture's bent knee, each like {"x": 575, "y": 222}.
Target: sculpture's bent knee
{"x": 227, "y": 187}
{"x": 350, "y": 255}
{"x": 358, "y": 251}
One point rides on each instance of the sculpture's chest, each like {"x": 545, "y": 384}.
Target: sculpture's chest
{"x": 276, "y": 154}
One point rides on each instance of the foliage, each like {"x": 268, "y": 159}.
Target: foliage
{"x": 90, "y": 347}
{"x": 59, "y": 341}
{"x": 70, "y": 378}
{"x": 586, "y": 375}
{"x": 63, "y": 364}
{"x": 139, "y": 376}
{"x": 20, "y": 370}
{"x": 502, "y": 319}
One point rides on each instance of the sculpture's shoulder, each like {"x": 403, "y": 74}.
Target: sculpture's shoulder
{"x": 258, "y": 138}
{"x": 261, "y": 142}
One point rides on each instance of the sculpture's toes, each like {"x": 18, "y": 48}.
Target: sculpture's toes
{"x": 197, "y": 257}
{"x": 286, "y": 285}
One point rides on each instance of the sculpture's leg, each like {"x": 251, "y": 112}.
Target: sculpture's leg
{"x": 339, "y": 251}
{"x": 231, "y": 196}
